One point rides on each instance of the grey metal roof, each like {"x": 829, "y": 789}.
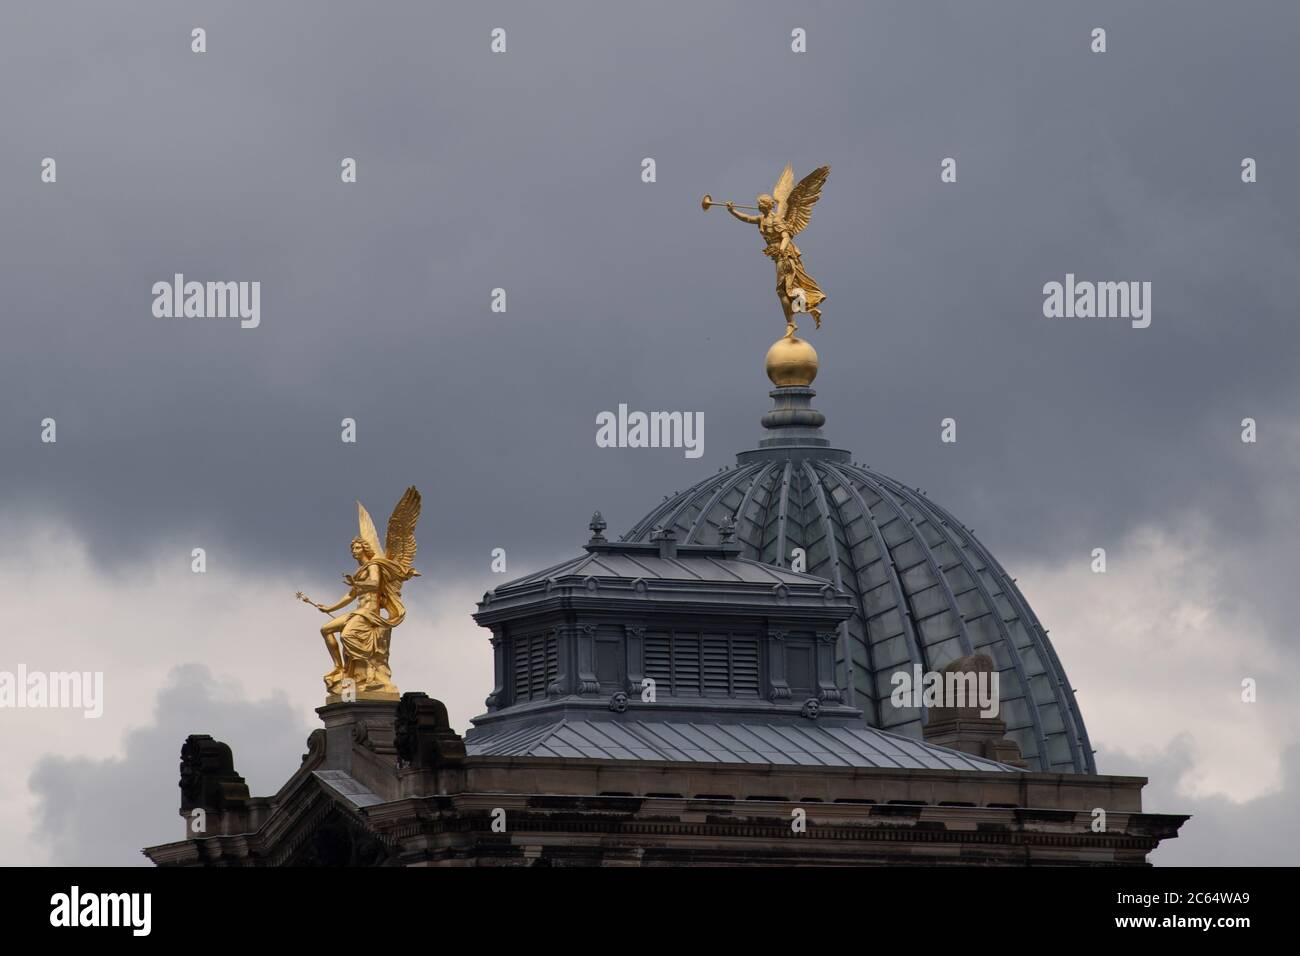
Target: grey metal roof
{"x": 925, "y": 590}
{"x": 649, "y": 565}
{"x": 750, "y": 743}
{"x": 347, "y": 787}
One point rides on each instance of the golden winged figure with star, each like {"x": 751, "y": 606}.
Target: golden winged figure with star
{"x": 782, "y": 215}
{"x": 358, "y": 641}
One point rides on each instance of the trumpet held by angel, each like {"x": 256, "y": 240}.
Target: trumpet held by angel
{"x": 358, "y": 640}
{"x": 782, "y": 215}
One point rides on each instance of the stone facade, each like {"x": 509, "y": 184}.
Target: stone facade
{"x": 355, "y": 800}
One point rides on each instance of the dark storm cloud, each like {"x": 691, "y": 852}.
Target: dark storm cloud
{"x": 522, "y": 171}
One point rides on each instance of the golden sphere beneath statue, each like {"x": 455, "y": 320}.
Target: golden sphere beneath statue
{"x": 791, "y": 362}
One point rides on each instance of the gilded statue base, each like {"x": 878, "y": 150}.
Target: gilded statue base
{"x": 360, "y": 679}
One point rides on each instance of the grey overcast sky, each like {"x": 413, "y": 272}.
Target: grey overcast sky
{"x": 523, "y": 171}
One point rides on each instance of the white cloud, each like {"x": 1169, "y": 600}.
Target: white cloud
{"x": 138, "y": 624}
{"x": 1260, "y": 832}
{"x": 1158, "y": 646}
{"x": 102, "y": 811}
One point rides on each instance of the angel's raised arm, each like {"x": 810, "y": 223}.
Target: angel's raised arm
{"x": 743, "y": 217}
{"x": 346, "y": 600}
{"x": 342, "y": 603}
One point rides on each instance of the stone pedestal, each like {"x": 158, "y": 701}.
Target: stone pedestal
{"x": 982, "y": 736}
{"x": 360, "y": 723}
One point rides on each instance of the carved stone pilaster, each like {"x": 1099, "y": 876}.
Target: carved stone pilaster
{"x": 780, "y": 689}
{"x": 586, "y": 641}
{"x": 562, "y": 668}
{"x": 498, "y": 670}
{"x": 635, "y": 648}
{"x": 827, "y": 690}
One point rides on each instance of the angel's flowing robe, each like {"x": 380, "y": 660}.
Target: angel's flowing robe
{"x": 790, "y": 274}
{"x": 366, "y": 635}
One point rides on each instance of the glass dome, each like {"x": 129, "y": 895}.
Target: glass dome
{"x": 925, "y": 590}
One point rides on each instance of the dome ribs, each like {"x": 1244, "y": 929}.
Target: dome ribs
{"x": 927, "y": 555}
{"x": 767, "y": 523}
{"x": 1083, "y": 760}
{"x": 688, "y": 498}
{"x": 751, "y": 543}
{"x": 1075, "y": 730}
{"x": 783, "y": 504}
{"x": 835, "y": 556}
{"x": 674, "y": 505}
{"x": 910, "y": 636}
{"x": 725, "y": 488}
{"x": 803, "y": 525}
{"x": 923, "y": 588}
{"x": 1038, "y": 750}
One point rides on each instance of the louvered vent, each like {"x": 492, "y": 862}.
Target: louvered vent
{"x": 686, "y": 665}
{"x": 552, "y": 662}
{"x": 717, "y": 669}
{"x": 744, "y": 668}
{"x": 520, "y": 666}
{"x": 658, "y": 660}
{"x": 537, "y": 667}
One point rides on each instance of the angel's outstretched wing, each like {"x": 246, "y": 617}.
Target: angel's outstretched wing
{"x": 401, "y": 529}
{"x": 798, "y": 207}
{"x": 368, "y": 533}
{"x": 781, "y": 190}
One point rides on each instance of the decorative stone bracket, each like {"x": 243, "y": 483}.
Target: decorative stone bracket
{"x": 208, "y": 777}
{"x": 423, "y": 735}
{"x": 776, "y": 665}
{"x": 827, "y": 690}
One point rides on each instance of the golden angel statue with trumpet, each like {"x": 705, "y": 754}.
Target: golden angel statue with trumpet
{"x": 358, "y": 640}
{"x": 782, "y": 215}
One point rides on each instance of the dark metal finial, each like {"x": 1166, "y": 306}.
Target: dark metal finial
{"x": 597, "y": 527}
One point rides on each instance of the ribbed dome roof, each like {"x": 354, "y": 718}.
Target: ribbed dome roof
{"x": 926, "y": 591}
